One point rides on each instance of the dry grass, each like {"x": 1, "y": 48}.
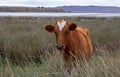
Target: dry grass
{"x": 26, "y": 50}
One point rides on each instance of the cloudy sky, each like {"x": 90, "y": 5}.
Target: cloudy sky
{"x": 53, "y": 3}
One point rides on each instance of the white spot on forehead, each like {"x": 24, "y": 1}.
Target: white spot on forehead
{"x": 61, "y": 24}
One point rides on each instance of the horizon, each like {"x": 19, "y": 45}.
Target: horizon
{"x": 54, "y": 3}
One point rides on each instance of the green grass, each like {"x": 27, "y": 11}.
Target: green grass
{"x": 27, "y": 50}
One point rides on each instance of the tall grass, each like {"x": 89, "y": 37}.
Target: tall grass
{"x": 27, "y": 50}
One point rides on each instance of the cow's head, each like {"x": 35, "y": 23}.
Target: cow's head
{"x": 62, "y": 30}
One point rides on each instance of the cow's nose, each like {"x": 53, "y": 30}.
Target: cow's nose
{"x": 59, "y": 47}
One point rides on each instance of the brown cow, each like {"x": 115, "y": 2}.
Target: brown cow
{"x": 72, "y": 40}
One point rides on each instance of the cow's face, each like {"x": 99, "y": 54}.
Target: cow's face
{"x": 62, "y": 30}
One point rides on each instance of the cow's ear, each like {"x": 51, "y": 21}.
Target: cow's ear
{"x": 49, "y": 28}
{"x": 72, "y": 26}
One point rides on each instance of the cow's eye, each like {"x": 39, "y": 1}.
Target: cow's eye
{"x": 67, "y": 32}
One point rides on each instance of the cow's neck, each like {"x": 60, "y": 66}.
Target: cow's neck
{"x": 70, "y": 43}
{"x": 73, "y": 40}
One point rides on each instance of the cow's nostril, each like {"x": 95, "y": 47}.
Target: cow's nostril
{"x": 59, "y": 47}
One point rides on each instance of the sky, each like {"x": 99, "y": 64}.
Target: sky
{"x": 54, "y": 3}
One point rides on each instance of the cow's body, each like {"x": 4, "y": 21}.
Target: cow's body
{"x": 79, "y": 45}
{"x": 72, "y": 40}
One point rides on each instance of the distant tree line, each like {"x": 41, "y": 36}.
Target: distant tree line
{"x": 29, "y": 9}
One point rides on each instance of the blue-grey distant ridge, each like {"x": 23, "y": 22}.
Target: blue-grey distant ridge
{"x": 78, "y": 9}
{"x": 91, "y": 9}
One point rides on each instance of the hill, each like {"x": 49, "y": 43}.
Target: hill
{"x": 29, "y": 9}
{"x": 90, "y": 9}
{"x": 79, "y": 9}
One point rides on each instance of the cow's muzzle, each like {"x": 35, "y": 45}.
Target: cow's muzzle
{"x": 59, "y": 47}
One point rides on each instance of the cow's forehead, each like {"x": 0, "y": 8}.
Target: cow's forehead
{"x": 61, "y": 24}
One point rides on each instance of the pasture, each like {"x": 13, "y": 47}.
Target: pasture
{"x": 27, "y": 50}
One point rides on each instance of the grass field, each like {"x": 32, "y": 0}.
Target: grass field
{"x": 27, "y": 50}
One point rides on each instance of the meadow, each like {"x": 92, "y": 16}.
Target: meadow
{"x": 27, "y": 50}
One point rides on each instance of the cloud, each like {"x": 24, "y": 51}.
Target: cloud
{"x": 50, "y": 3}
